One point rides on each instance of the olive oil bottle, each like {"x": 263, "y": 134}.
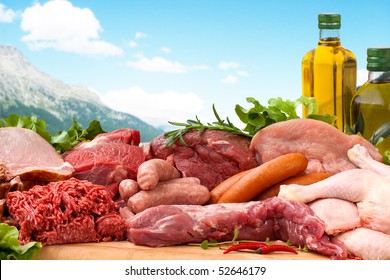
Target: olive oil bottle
{"x": 370, "y": 108}
{"x": 329, "y": 72}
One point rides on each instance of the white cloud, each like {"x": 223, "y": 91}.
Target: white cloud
{"x": 226, "y": 65}
{"x": 59, "y": 25}
{"x": 242, "y": 73}
{"x": 157, "y": 64}
{"x": 160, "y": 64}
{"x": 133, "y": 44}
{"x": 6, "y": 15}
{"x": 229, "y": 79}
{"x": 165, "y": 49}
{"x": 154, "y": 108}
{"x": 140, "y": 35}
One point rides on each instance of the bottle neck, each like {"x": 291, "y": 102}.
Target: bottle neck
{"x": 329, "y": 37}
{"x": 379, "y": 76}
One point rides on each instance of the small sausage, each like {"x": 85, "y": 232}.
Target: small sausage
{"x": 304, "y": 180}
{"x": 222, "y": 187}
{"x": 152, "y": 171}
{"x": 265, "y": 176}
{"x": 127, "y": 188}
{"x": 177, "y": 191}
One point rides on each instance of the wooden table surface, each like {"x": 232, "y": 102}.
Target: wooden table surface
{"x": 124, "y": 250}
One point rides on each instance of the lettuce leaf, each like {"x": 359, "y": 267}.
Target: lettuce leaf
{"x": 10, "y": 248}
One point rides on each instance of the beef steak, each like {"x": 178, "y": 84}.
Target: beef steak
{"x": 210, "y": 155}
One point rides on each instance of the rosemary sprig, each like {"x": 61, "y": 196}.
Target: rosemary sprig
{"x": 219, "y": 124}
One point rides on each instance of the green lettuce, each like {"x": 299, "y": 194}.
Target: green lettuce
{"x": 10, "y": 248}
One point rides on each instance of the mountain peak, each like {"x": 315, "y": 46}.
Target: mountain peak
{"x": 16, "y": 67}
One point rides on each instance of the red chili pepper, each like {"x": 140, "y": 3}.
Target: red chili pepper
{"x": 247, "y": 245}
{"x": 276, "y": 248}
{"x": 260, "y": 248}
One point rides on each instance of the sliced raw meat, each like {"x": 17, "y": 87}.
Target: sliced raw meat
{"x": 324, "y": 146}
{"x": 106, "y": 164}
{"x": 25, "y": 154}
{"x": 210, "y": 155}
{"x": 67, "y": 211}
{"x": 273, "y": 218}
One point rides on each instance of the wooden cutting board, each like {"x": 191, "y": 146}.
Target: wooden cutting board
{"x": 125, "y": 250}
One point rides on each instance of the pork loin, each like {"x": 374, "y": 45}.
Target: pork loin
{"x": 274, "y": 218}
{"x": 324, "y": 146}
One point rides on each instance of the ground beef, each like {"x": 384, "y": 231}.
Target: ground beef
{"x": 67, "y": 211}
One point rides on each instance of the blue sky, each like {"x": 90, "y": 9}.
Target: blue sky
{"x": 170, "y": 60}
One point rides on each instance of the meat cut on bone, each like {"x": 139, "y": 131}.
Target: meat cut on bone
{"x": 368, "y": 188}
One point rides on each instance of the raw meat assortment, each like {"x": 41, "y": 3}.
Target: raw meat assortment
{"x": 108, "y": 159}
{"x": 67, "y": 211}
{"x": 210, "y": 155}
{"x": 324, "y": 146}
{"x": 26, "y": 158}
{"x": 273, "y": 218}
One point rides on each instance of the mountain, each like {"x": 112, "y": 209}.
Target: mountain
{"x": 25, "y": 90}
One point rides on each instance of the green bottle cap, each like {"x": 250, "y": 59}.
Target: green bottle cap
{"x": 329, "y": 21}
{"x": 378, "y": 59}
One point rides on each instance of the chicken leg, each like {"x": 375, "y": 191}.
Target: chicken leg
{"x": 359, "y": 156}
{"x": 368, "y": 190}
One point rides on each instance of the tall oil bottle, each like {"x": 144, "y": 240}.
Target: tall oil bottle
{"x": 329, "y": 72}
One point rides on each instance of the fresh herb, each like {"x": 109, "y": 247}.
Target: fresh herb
{"x": 10, "y": 248}
{"x": 63, "y": 140}
{"x": 254, "y": 118}
{"x": 220, "y": 124}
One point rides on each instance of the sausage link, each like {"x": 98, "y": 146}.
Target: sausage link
{"x": 264, "y": 176}
{"x": 303, "y": 180}
{"x": 178, "y": 191}
{"x": 152, "y": 171}
{"x": 127, "y": 188}
{"x": 222, "y": 187}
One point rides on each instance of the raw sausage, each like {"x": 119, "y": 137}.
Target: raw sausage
{"x": 264, "y": 176}
{"x": 304, "y": 180}
{"x": 177, "y": 191}
{"x": 127, "y": 188}
{"x": 152, "y": 171}
{"x": 222, "y": 187}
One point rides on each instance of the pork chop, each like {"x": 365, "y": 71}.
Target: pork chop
{"x": 324, "y": 146}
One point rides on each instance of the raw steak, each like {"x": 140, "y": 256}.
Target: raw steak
{"x": 68, "y": 211}
{"x": 324, "y": 146}
{"x": 106, "y": 163}
{"x": 26, "y": 157}
{"x": 210, "y": 155}
{"x": 273, "y": 218}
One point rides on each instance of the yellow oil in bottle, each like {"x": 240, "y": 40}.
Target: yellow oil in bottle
{"x": 329, "y": 75}
{"x": 372, "y": 101}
